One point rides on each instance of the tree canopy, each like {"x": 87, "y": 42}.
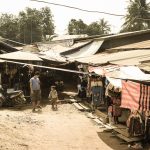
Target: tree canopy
{"x": 95, "y": 28}
{"x": 31, "y": 25}
{"x": 98, "y": 28}
{"x": 137, "y": 17}
{"x": 77, "y": 27}
{"x": 9, "y": 26}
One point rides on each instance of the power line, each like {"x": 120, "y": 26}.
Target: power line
{"x": 91, "y": 11}
{"x": 85, "y": 10}
{"x": 142, "y": 18}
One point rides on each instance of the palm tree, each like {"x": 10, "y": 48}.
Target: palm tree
{"x": 98, "y": 28}
{"x": 138, "y": 16}
{"x": 105, "y": 27}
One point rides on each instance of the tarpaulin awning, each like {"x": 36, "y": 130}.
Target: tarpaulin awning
{"x": 115, "y": 82}
{"x": 102, "y": 70}
{"x": 19, "y": 55}
{"x": 123, "y": 72}
{"x": 129, "y": 73}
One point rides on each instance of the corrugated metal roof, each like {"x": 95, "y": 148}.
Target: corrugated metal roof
{"x": 52, "y": 52}
{"x": 19, "y": 55}
{"x": 53, "y": 57}
{"x": 6, "y": 47}
{"x": 125, "y": 34}
{"x": 145, "y": 66}
{"x": 133, "y": 57}
{"x": 60, "y": 47}
{"x": 137, "y": 45}
{"x": 63, "y": 37}
{"x": 114, "y": 36}
{"x": 87, "y": 50}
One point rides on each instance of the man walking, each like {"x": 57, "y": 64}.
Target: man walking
{"x": 35, "y": 91}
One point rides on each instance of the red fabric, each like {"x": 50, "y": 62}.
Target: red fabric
{"x": 103, "y": 70}
{"x": 130, "y": 95}
{"x": 97, "y": 70}
{"x": 144, "y": 102}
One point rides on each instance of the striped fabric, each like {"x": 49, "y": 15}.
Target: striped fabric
{"x": 103, "y": 70}
{"x": 130, "y": 95}
{"x": 144, "y": 101}
{"x": 135, "y": 96}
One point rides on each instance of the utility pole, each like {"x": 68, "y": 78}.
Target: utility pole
{"x": 31, "y": 30}
{"x": 24, "y": 34}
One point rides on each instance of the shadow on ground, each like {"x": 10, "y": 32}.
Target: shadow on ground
{"x": 115, "y": 142}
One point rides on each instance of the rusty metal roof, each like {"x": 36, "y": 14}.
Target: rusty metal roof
{"x": 55, "y": 57}
{"x": 59, "y": 47}
{"x": 19, "y": 55}
{"x": 133, "y": 57}
{"x": 53, "y": 51}
{"x": 137, "y": 45}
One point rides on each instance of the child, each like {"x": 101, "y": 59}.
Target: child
{"x": 53, "y": 96}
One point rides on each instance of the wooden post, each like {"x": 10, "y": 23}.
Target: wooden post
{"x": 0, "y": 79}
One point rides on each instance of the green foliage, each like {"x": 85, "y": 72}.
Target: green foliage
{"x": 137, "y": 13}
{"x": 48, "y": 25}
{"x": 95, "y": 28}
{"x": 31, "y": 25}
{"x": 8, "y": 26}
{"x": 77, "y": 27}
{"x": 98, "y": 28}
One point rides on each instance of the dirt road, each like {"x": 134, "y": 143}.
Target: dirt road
{"x": 65, "y": 129}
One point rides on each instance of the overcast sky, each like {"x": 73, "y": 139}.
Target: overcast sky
{"x": 63, "y": 15}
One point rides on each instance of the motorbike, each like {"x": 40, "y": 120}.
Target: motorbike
{"x": 10, "y": 99}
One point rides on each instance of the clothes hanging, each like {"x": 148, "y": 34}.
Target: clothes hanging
{"x": 135, "y": 125}
{"x": 147, "y": 129}
{"x": 97, "y": 95}
{"x": 116, "y": 107}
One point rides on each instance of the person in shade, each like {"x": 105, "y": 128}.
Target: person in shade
{"x": 53, "y": 96}
{"x": 35, "y": 90}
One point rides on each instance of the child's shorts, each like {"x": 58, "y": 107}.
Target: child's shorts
{"x": 54, "y": 100}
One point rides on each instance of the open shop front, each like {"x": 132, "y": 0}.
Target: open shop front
{"x": 15, "y": 77}
{"x": 15, "y": 84}
{"x": 20, "y": 66}
{"x": 121, "y": 97}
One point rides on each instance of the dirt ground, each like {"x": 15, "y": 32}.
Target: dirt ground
{"x": 65, "y": 129}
